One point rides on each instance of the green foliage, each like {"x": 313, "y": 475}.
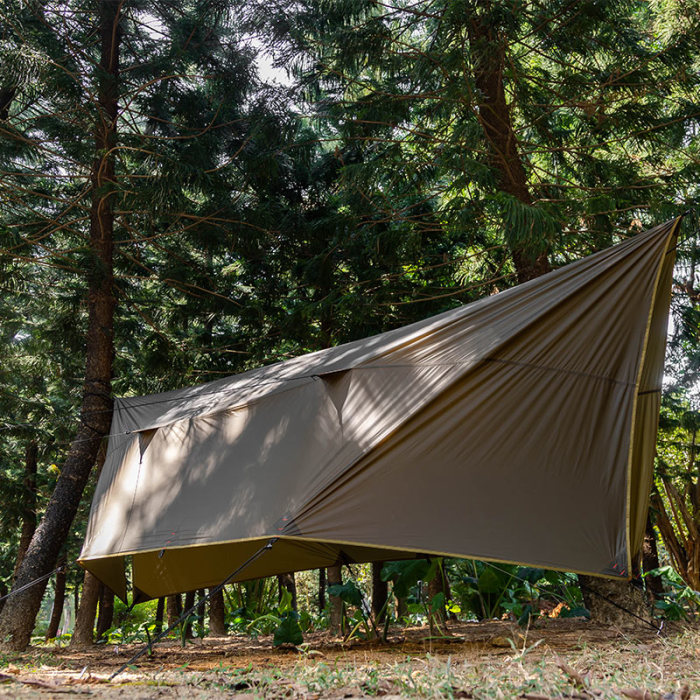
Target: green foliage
{"x": 680, "y": 601}
{"x": 487, "y": 591}
{"x": 406, "y": 574}
{"x": 288, "y": 631}
{"x": 348, "y": 592}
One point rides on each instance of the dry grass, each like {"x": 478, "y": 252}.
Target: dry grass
{"x": 557, "y": 658}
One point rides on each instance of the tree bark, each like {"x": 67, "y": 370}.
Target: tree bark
{"x": 105, "y": 616}
{"x": 288, "y": 582}
{"x": 380, "y": 592}
{"x": 160, "y": 609}
{"x": 321, "y": 590}
{"x": 488, "y": 51}
{"x": 650, "y": 561}
{"x": 335, "y": 623}
{"x": 217, "y": 615}
{"x": 174, "y": 608}
{"x": 85, "y": 616}
{"x": 58, "y": 602}
{"x": 17, "y": 618}
{"x": 201, "y": 610}
{"x": 598, "y": 592}
{"x": 401, "y": 608}
{"x": 437, "y": 585}
{"x": 189, "y": 602}
{"x": 28, "y": 503}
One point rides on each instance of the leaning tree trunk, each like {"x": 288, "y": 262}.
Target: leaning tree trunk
{"x": 17, "y": 618}
{"x": 28, "y": 503}
{"x": 59, "y": 600}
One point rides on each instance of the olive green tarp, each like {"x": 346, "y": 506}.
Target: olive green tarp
{"x": 518, "y": 428}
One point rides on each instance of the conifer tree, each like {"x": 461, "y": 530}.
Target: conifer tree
{"x": 130, "y": 161}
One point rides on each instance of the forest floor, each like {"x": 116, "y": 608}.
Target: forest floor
{"x": 554, "y": 658}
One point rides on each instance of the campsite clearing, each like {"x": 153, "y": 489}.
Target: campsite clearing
{"x": 555, "y": 658}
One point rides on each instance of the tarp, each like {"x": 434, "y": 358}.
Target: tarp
{"x": 519, "y": 428}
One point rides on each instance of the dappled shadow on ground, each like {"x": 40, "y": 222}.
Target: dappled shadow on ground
{"x": 554, "y": 658}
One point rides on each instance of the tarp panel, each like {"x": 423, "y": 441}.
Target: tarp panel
{"x": 500, "y": 430}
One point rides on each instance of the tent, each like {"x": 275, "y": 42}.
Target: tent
{"x": 519, "y": 428}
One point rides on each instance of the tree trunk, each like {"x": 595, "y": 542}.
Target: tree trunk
{"x": 286, "y": 581}
{"x": 189, "y": 602}
{"x": 58, "y": 601}
{"x": 650, "y": 561}
{"x": 17, "y": 618}
{"x": 629, "y": 603}
{"x": 85, "y": 617}
{"x": 174, "y": 607}
{"x": 160, "y": 609}
{"x": 201, "y": 611}
{"x": 335, "y": 624}
{"x": 321, "y": 590}
{"x": 488, "y": 51}
{"x": 438, "y": 585}
{"x": 28, "y": 503}
{"x": 217, "y": 615}
{"x": 380, "y": 592}
{"x": 401, "y": 608}
{"x": 106, "y": 615}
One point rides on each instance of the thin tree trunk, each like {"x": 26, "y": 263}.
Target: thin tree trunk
{"x": 201, "y": 611}
{"x": 650, "y": 561}
{"x": 287, "y": 581}
{"x": 28, "y": 503}
{"x": 321, "y": 590}
{"x": 335, "y": 624}
{"x": 17, "y": 618}
{"x": 105, "y": 616}
{"x": 217, "y": 615}
{"x": 58, "y": 601}
{"x": 85, "y": 616}
{"x": 488, "y": 50}
{"x": 189, "y": 602}
{"x": 160, "y": 609}
{"x": 6, "y": 96}
{"x": 380, "y": 592}
{"x": 435, "y": 586}
{"x": 92, "y": 591}
{"x": 174, "y": 608}
{"x": 401, "y": 608}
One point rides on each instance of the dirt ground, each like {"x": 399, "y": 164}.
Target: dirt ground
{"x": 555, "y": 658}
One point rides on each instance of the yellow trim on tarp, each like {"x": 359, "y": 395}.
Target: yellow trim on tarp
{"x": 349, "y": 543}
{"x": 635, "y": 400}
